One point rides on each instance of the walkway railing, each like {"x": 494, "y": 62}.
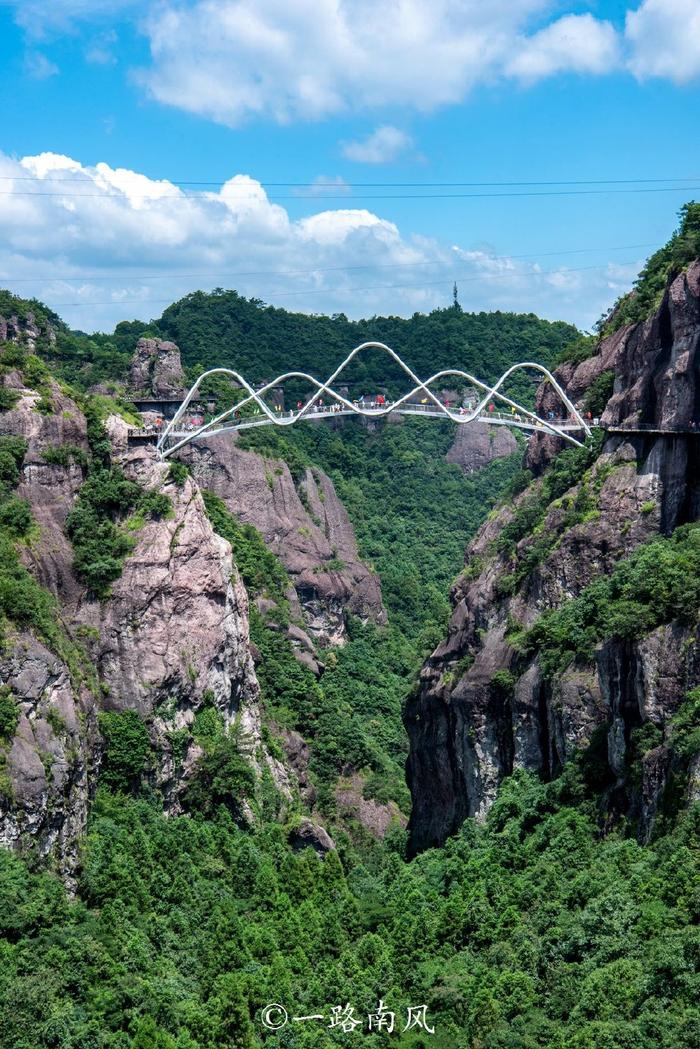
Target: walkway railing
{"x": 231, "y": 419}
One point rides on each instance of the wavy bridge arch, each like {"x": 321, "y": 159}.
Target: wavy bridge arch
{"x": 172, "y": 439}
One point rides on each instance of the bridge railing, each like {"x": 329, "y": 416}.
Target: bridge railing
{"x": 382, "y": 410}
{"x": 693, "y": 427}
{"x": 314, "y": 406}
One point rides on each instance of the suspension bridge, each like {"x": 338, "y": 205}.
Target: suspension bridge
{"x": 328, "y": 403}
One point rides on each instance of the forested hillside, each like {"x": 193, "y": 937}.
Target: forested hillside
{"x": 263, "y": 341}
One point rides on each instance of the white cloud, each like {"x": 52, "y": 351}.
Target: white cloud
{"x": 38, "y": 66}
{"x": 233, "y": 60}
{"x": 664, "y": 38}
{"x": 37, "y": 17}
{"x": 101, "y": 244}
{"x": 575, "y": 43}
{"x": 385, "y": 144}
{"x": 308, "y": 59}
{"x": 323, "y": 186}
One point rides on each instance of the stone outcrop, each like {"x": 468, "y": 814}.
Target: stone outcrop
{"x": 46, "y": 776}
{"x": 49, "y": 487}
{"x": 24, "y": 329}
{"x": 156, "y": 369}
{"x": 304, "y": 523}
{"x": 469, "y": 724}
{"x": 477, "y": 444}
{"x": 174, "y": 632}
{"x": 376, "y": 817}
{"x": 308, "y": 834}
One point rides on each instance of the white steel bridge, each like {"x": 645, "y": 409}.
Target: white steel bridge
{"x": 571, "y": 427}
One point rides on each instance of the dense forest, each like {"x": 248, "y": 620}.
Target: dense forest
{"x": 263, "y": 341}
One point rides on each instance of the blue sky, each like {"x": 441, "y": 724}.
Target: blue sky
{"x": 110, "y": 98}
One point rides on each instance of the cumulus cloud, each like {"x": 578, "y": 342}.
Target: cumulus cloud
{"x": 313, "y": 58}
{"x": 233, "y": 60}
{"x": 385, "y": 144}
{"x": 575, "y": 43}
{"x": 664, "y": 39}
{"x": 102, "y": 244}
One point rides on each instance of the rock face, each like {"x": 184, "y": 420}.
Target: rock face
{"x": 49, "y": 487}
{"x": 23, "y": 329}
{"x": 311, "y": 835}
{"x": 477, "y": 444}
{"x": 157, "y": 369}
{"x": 305, "y": 524}
{"x": 172, "y": 636}
{"x": 469, "y": 725}
{"x": 174, "y": 633}
{"x": 48, "y": 767}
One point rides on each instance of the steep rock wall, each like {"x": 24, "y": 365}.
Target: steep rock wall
{"x": 172, "y": 636}
{"x": 467, "y": 728}
{"x": 157, "y": 369}
{"x": 305, "y": 524}
{"x": 477, "y": 444}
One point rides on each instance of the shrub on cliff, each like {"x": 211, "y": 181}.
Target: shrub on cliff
{"x": 99, "y": 546}
{"x": 99, "y": 543}
{"x": 599, "y": 393}
{"x": 127, "y": 749}
{"x": 12, "y": 452}
{"x": 9, "y": 713}
{"x": 260, "y": 570}
{"x": 658, "y": 583}
{"x": 663, "y": 265}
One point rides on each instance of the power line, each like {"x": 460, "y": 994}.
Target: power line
{"x": 316, "y": 269}
{"x": 331, "y": 184}
{"x": 360, "y": 196}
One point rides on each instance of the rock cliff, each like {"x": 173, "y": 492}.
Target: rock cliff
{"x": 171, "y": 637}
{"x": 304, "y": 524}
{"x": 477, "y": 444}
{"x": 481, "y": 710}
{"x": 157, "y": 369}
{"x": 25, "y": 329}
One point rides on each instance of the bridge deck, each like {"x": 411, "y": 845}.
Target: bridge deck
{"x": 492, "y": 418}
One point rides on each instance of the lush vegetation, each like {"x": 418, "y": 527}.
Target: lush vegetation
{"x": 529, "y": 931}
{"x": 100, "y": 544}
{"x": 664, "y": 264}
{"x": 659, "y": 582}
{"x": 599, "y": 393}
{"x": 413, "y": 513}
{"x": 262, "y": 341}
{"x": 98, "y": 527}
{"x": 352, "y": 717}
{"x": 527, "y": 526}
{"x": 127, "y": 749}
{"x": 73, "y": 357}
{"x": 262, "y": 572}
{"x": 532, "y": 931}
{"x": 578, "y": 350}
{"x": 22, "y": 601}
